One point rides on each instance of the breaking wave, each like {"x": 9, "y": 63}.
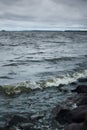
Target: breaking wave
{"x": 28, "y": 86}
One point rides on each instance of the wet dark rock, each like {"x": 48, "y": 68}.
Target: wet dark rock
{"x": 80, "y": 89}
{"x": 22, "y": 122}
{"x": 82, "y": 101}
{"x": 82, "y": 79}
{"x": 74, "y": 126}
{"x": 56, "y": 111}
{"x": 75, "y": 118}
{"x": 73, "y": 83}
{"x": 64, "y": 90}
{"x": 76, "y": 115}
{"x": 61, "y": 85}
{"x": 64, "y": 116}
{"x": 1, "y": 128}
{"x": 79, "y": 113}
{"x": 7, "y": 128}
{"x": 78, "y": 126}
{"x": 17, "y": 119}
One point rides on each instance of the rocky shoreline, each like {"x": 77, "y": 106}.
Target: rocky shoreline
{"x": 75, "y": 118}
{"x": 72, "y": 116}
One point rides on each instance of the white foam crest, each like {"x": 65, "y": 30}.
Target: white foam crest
{"x": 66, "y": 79}
{"x": 74, "y": 105}
{"x": 28, "y": 84}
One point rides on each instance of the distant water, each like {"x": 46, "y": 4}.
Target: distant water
{"x": 39, "y": 59}
{"x": 34, "y": 56}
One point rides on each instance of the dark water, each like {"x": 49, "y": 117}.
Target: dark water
{"x": 39, "y": 60}
{"x": 32, "y": 56}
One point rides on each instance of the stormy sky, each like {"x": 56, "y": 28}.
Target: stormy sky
{"x": 43, "y": 14}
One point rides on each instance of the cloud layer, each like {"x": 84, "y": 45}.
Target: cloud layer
{"x": 43, "y": 14}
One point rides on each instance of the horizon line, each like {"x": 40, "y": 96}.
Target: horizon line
{"x": 5, "y": 30}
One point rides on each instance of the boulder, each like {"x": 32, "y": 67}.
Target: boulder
{"x": 7, "y": 128}
{"x": 2, "y": 128}
{"x": 78, "y": 114}
{"x": 82, "y": 101}
{"x": 77, "y": 126}
{"x": 16, "y": 120}
{"x": 64, "y": 116}
{"x": 80, "y": 89}
{"x": 82, "y": 79}
{"x": 74, "y": 126}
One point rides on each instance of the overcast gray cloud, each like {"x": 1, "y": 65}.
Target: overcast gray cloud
{"x": 43, "y": 14}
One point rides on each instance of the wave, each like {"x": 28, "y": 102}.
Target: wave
{"x": 59, "y": 59}
{"x": 1, "y": 44}
{"x": 28, "y": 86}
{"x": 54, "y": 41}
{"x": 10, "y": 64}
{"x": 67, "y": 79}
{"x": 18, "y": 62}
{"x": 5, "y": 77}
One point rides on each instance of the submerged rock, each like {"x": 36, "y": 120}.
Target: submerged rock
{"x": 74, "y": 126}
{"x": 82, "y": 79}
{"x": 78, "y": 126}
{"x": 62, "y": 115}
{"x": 76, "y": 115}
{"x": 20, "y": 123}
{"x": 82, "y": 101}
{"x": 79, "y": 113}
{"x": 8, "y": 128}
{"x": 80, "y": 89}
{"x": 2, "y": 128}
{"x": 17, "y": 119}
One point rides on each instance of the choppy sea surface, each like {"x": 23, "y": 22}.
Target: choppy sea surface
{"x": 37, "y": 62}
